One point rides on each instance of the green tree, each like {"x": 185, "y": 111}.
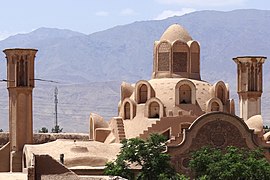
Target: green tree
{"x": 57, "y": 129}
{"x": 231, "y": 163}
{"x": 149, "y": 155}
{"x": 43, "y": 130}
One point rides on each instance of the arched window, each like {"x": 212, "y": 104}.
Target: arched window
{"x": 184, "y": 94}
{"x": 180, "y": 57}
{"x": 154, "y": 110}
{"x": 214, "y": 106}
{"x": 221, "y": 94}
{"x": 143, "y": 94}
{"x": 252, "y": 83}
{"x": 164, "y": 56}
{"x": 127, "y": 111}
{"x": 22, "y": 73}
{"x": 195, "y": 57}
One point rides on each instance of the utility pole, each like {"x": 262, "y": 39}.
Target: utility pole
{"x": 55, "y": 102}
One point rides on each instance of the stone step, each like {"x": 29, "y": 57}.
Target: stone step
{"x": 120, "y": 124}
{"x": 121, "y": 132}
{"x": 119, "y": 120}
{"x": 121, "y": 128}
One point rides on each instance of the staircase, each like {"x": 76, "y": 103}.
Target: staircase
{"x": 169, "y": 123}
{"x": 149, "y": 130}
{"x": 120, "y": 129}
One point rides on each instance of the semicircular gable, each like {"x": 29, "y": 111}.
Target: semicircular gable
{"x": 216, "y": 129}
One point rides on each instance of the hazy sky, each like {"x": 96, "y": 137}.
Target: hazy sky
{"x": 88, "y": 16}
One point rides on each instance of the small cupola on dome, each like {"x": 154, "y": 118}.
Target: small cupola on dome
{"x": 176, "y": 55}
{"x": 176, "y": 32}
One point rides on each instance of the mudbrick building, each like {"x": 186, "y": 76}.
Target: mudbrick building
{"x": 176, "y": 102}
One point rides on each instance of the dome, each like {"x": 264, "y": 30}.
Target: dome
{"x": 176, "y": 32}
{"x": 256, "y": 123}
{"x": 266, "y": 136}
{"x": 98, "y": 121}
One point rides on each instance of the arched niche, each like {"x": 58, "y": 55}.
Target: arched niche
{"x": 194, "y": 57}
{"x": 143, "y": 91}
{"x": 154, "y": 108}
{"x": 163, "y": 56}
{"x": 180, "y": 57}
{"x": 185, "y": 92}
{"x": 128, "y": 109}
{"x": 221, "y": 92}
{"x": 214, "y": 104}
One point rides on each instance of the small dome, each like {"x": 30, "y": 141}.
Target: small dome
{"x": 176, "y": 32}
{"x": 266, "y": 136}
{"x": 98, "y": 121}
{"x": 256, "y": 123}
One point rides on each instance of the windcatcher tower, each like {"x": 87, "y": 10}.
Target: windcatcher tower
{"x": 20, "y": 76}
{"x": 249, "y": 72}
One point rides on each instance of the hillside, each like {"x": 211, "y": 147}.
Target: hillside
{"x": 124, "y": 53}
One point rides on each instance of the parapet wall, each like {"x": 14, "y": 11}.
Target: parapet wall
{"x": 40, "y": 138}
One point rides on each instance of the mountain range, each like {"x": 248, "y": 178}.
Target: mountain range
{"x": 90, "y": 68}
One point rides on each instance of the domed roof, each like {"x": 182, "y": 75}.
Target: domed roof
{"x": 255, "y": 122}
{"x": 266, "y": 136}
{"x": 98, "y": 121}
{"x": 176, "y": 32}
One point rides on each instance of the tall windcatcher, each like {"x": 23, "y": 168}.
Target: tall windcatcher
{"x": 20, "y": 83}
{"x": 250, "y": 84}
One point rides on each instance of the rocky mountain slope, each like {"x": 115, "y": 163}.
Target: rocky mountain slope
{"x": 124, "y": 53}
